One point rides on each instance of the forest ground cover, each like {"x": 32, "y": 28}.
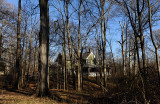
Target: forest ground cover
{"x": 120, "y": 90}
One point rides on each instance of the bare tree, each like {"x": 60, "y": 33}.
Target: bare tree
{"x": 1, "y": 45}
{"x": 153, "y": 41}
{"x": 79, "y": 60}
{"x": 69, "y": 40}
{"x": 134, "y": 11}
{"x": 113, "y": 59}
{"x": 44, "y": 48}
{"x": 17, "y": 76}
{"x": 122, "y": 45}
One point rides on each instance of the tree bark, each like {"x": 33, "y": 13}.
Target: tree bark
{"x": 130, "y": 55}
{"x": 30, "y": 52}
{"x": 44, "y": 48}
{"x": 64, "y": 60}
{"x": 69, "y": 44}
{"x": 103, "y": 36}
{"x": 154, "y": 44}
{"x": 17, "y": 75}
{"x": 114, "y": 64}
{"x": 79, "y": 61}
{"x": 135, "y": 60}
{"x": 1, "y": 45}
{"x": 23, "y": 61}
{"x": 123, "y": 52}
{"x": 141, "y": 36}
{"x": 104, "y": 47}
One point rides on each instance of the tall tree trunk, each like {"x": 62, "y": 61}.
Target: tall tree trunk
{"x": 64, "y": 60}
{"x": 136, "y": 44}
{"x": 57, "y": 72}
{"x": 30, "y": 52}
{"x": 114, "y": 64}
{"x": 1, "y": 45}
{"x": 141, "y": 36}
{"x": 137, "y": 50}
{"x": 69, "y": 43}
{"x": 17, "y": 76}
{"x": 35, "y": 57}
{"x": 44, "y": 48}
{"x": 126, "y": 40}
{"x": 79, "y": 61}
{"x": 104, "y": 49}
{"x": 103, "y": 42}
{"x": 130, "y": 54}
{"x": 135, "y": 60}
{"x": 26, "y": 54}
{"x": 23, "y": 61}
{"x": 154, "y": 44}
{"x": 123, "y": 52}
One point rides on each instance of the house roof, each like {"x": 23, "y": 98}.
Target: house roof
{"x": 85, "y": 55}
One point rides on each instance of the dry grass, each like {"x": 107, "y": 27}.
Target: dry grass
{"x": 7, "y": 97}
{"x": 118, "y": 90}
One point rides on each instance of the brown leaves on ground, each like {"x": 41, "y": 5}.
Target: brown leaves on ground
{"x": 8, "y": 97}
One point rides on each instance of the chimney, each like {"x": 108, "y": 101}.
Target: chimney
{"x": 90, "y": 50}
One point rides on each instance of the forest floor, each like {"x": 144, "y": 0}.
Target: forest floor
{"x": 58, "y": 97}
{"x": 8, "y": 95}
{"x": 118, "y": 90}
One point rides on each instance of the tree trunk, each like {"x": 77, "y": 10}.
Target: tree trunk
{"x": 17, "y": 75}
{"x": 127, "y": 62}
{"x": 44, "y": 47}
{"x": 137, "y": 50}
{"x": 79, "y": 61}
{"x": 64, "y": 61}
{"x": 123, "y": 52}
{"x": 23, "y": 61}
{"x": 135, "y": 61}
{"x": 103, "y": 36}
{"x": 30, "y": 52}
{"x": 69, "y": 43}
{"x": 58, "y": 83}
{"x": 35, "y": 57}
{"x": 141, "y": 37}
{"x": 104, "y": 49}
{"x": 130, "y": 55}
{"x": 114, "y": 64}
{"x": 1, "y": 45}
{"x": 154, "y": 44}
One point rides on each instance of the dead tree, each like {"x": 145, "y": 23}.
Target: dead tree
{"x": 122, "y": 46}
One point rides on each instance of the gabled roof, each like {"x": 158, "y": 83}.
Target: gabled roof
{"x": 85, "y": 55}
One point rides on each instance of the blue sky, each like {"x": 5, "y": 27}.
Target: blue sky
{"x": 115, "y": 30}
{"x": 14, "y": 2}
